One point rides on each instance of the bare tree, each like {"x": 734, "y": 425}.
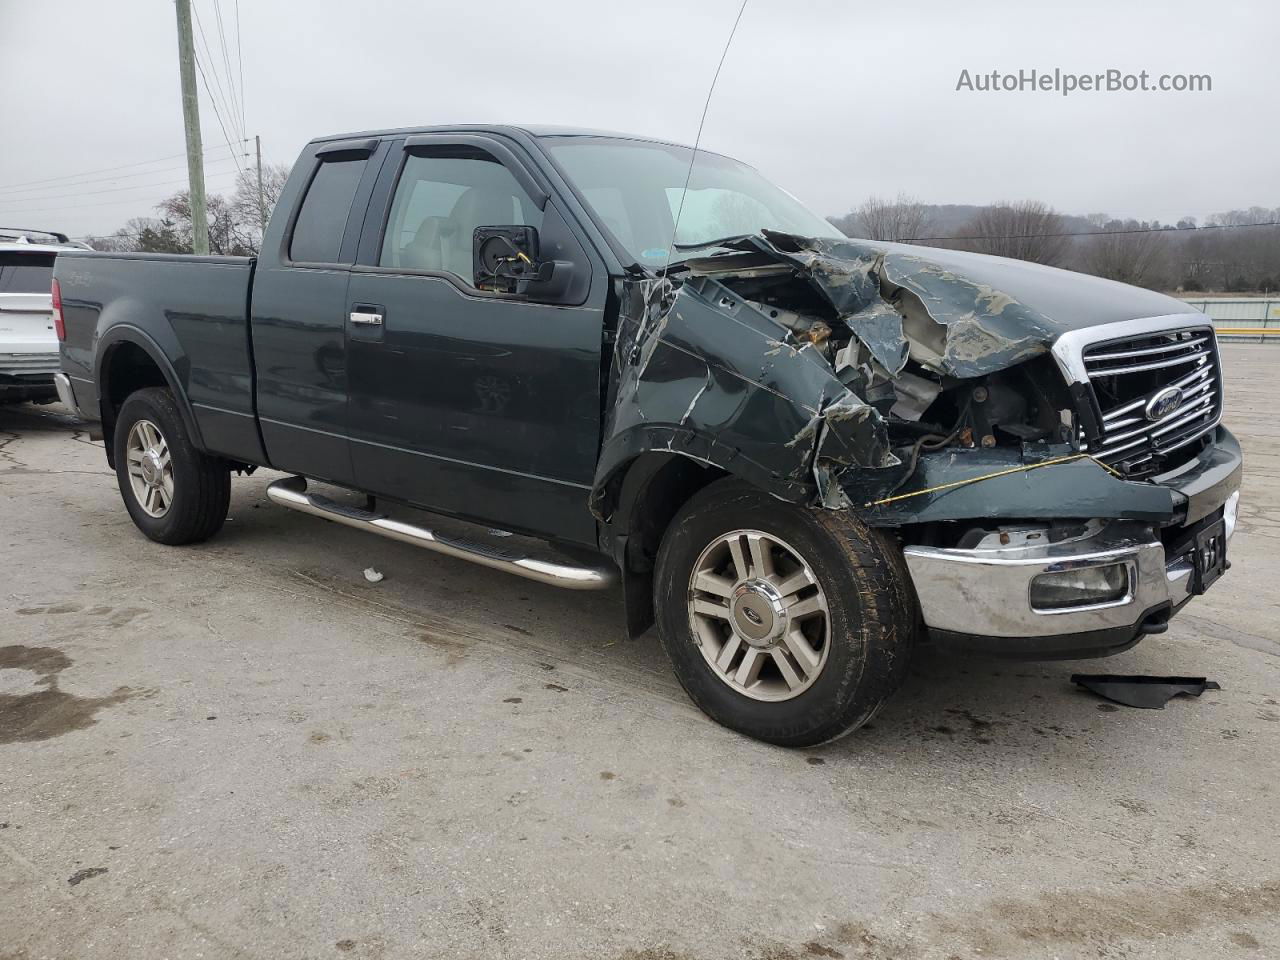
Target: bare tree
{"x": 244, "y": 201}
{"x": 1250, "y": 217}
{"x": 1026, "y": 230}
{"x": 1127, "y": 251}
{"x": 229, "y": 235}
{"x": 144, "y": 234}
{"x": 903, "y": 218}
{"x": 235, "y": 222}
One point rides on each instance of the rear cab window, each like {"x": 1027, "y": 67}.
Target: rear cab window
{"x": 322, "y": 219}
{"x": 26, "y": 272}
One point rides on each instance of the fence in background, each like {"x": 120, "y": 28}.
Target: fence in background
{"x": 1252, "y": 319}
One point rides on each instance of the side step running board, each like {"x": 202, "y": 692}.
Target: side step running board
{"x": 292, "y": 492}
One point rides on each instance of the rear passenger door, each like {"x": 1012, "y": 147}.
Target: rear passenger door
{"x": 299, "y": 311}
{"x": 475, "y": 403}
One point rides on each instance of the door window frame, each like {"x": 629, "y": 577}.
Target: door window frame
{"x": 377, "y": 219}
{"x": 372, "y": 153}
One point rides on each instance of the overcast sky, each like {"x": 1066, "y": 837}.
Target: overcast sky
{"x": 833, "y": 100}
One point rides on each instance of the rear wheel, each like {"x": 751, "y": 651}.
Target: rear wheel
{"x": 788, "y": 624}
{"x": 175, "y": 493}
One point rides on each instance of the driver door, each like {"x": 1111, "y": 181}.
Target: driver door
{"x": 462, "y": 401}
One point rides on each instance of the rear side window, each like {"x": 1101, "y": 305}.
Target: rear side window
{"x": 317, "y": 233}
{"x": 26, "y": 272}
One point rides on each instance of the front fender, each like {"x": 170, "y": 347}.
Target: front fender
{"x": 701, "y": 373}
{"x": 694, "y": 444}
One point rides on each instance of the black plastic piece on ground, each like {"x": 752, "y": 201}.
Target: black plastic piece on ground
{"x": 1146, "y": 693}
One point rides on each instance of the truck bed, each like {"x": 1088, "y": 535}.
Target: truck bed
{"x": 194, "y": 314}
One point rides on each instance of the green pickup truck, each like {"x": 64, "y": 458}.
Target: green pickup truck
{"x": 799, "y": 454}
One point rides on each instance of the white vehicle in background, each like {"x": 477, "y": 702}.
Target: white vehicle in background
{"x": 28, "y": 341}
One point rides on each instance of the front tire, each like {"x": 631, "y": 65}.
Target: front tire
{"x": 175, "y": 493}
{"x": 788, "y": 624}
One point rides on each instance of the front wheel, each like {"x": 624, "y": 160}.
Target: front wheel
{"x": 174, "y": 492}
{"x": 788, "y": 624}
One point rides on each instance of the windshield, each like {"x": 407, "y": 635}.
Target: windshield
{"x": 634, "y": 188}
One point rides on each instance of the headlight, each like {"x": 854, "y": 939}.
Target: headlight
{"x": 1086, "y": 587}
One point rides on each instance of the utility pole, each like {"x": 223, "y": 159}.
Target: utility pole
{"x": 191, "y": 119}
{"x": 262, "y": 204}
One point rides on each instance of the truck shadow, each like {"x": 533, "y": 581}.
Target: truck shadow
{"x": 969, "y": 705}
{"x": 42, "y": 417}
{"x": 963, "y": 703}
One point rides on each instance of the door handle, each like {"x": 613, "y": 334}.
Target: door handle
{"x": 368, "y": 319}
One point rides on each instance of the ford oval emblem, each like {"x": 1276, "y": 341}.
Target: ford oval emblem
{"x": 1163, "y": 403}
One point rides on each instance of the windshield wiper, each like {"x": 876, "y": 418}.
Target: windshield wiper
{"x": 713, "y": 243}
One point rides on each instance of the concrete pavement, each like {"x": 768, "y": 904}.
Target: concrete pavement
{"x": 244, "y": 749}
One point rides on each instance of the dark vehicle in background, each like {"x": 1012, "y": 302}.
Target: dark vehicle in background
{"x": 28, "y": 342}
{"x": 799, "y": 454}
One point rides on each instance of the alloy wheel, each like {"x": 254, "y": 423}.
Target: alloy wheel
{"x": 150, "y": 468}
{"x": 759, "y": 615}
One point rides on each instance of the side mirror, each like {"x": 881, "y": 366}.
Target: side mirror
{"x": 506, "y": 260}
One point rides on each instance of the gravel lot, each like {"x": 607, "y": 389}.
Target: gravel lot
{"x": 246, "y": 750}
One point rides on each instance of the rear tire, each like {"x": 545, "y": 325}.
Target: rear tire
{"x": 741, "y": 573}
{"x": 175, "y": 493}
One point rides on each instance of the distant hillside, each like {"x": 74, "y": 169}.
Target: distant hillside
{"x": 946, "y": 219}
{"x": 1234, "y": 251}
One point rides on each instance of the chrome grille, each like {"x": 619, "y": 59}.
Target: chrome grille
{"x": 1126, "y": 376}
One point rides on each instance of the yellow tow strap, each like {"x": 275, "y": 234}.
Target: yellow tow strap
{"x": 998, "y": 473}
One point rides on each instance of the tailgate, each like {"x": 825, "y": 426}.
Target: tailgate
{"x": 28, "y": 344}
{"x": 26, "y": 323}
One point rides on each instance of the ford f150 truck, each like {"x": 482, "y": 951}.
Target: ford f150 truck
{"x": 799, "y": 453}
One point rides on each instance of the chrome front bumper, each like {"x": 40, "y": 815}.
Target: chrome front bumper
{"x": 985, "y": 592}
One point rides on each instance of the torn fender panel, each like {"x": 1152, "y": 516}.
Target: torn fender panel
{"x": 1077, "y": 489}
{"x": 702, "y": 373}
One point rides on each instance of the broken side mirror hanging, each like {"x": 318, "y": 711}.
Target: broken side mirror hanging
{"x": 505, "y": 260}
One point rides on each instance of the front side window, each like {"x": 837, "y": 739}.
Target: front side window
{"x": 442, "y": 196}
{"x": 26, "y": 272}
{"x": 322, "y": 220}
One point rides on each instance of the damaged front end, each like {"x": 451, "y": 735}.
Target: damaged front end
{"x": 911, "y": 388}
{"x": 830, "y": 372}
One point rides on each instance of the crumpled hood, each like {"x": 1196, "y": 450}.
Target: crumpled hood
{"x": 1065, "y": 299}
{"x": 955, "y": 312}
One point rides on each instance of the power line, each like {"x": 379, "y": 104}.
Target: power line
{"x": 218, "y": 107}
{"x": 224, "y": 112}
{"x": 106, "y": 203}
{"x": 85, "y": 173}
{"x": 1099, "y": 233}
{"x": 59, "y": 193}
{"x": 217, "y": 113}
{"x": 240, "y": 65}
{"x": 226, "y": 62}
